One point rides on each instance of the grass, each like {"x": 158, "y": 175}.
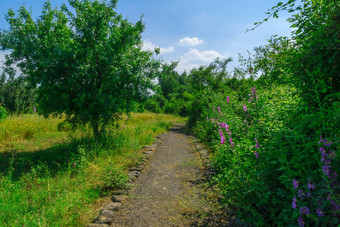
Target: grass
{"x": 51, "y": 177}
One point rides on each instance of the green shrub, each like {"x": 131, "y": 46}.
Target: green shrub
{"x": 260, "y": 148}
{"x": 3, "y": 113}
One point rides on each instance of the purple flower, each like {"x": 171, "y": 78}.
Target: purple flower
{"x": 294, "y": 203}
{"x": 310, "y": 186}
{"x": 322, "y": 150}
{"x": 228, "y": 99}
{"x": 244, "y": 108}
{"x": 319, "y": 212}
{"x": 304, "y": 210}
{"x": 300, "y": 221}
{"x": 301, "y": 194}
{"x": 34, "y": 109}
{"x": 127, "y": 117}
{"x": 213, "y": 120}
{"x": 222, "y": 139}
{"x": 257, "y": 144}
{"x": 213, "y": 108}
{"x": 326, "y": 169}
{"x": 325, "y": 159}
{"x": 309, "y": 194}
{"x": 218, "y": 109}
{"x": 295, "y": 183}
{"x": 256, "y": 154}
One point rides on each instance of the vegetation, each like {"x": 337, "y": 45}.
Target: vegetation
{"x": 87, "y": 65}
{"x": 41, "y": 167}
{"x": 272, "y": 124}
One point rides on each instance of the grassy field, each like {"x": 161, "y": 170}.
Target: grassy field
{"x": 53, "y": 176}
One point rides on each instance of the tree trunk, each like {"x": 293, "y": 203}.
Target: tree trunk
{"x": 95, "y": 127}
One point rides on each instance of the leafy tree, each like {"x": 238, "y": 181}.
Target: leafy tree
{"x": 15, "y": 94}
{"x": 87, "y": 64}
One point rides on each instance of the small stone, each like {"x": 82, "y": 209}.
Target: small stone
{"x": 120, "y": 192}
{"x": 118, "y": 198}
{"x": 148, "y": 153}
{"x": 97, "y": 225}
{"x": 105, "y": 216}
{"x": 135, "y": 169}
{"x": 134, "y": 174}
{"x": 113, "y": 206}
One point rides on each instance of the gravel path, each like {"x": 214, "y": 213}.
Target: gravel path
{"x": 168, "y": 193}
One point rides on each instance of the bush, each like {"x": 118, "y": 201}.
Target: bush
{"x": 3, "y": 113}
{"x": 260, "y": 151}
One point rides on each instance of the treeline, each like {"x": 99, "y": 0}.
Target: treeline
{"x": 273, "y": 123}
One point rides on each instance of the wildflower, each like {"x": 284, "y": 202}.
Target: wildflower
{"x": 322, "y": 150}
{"x": 294, "y": 203}
{"x": 228, "y": 99}
{"x": 253, "y": 90}
{"x": 34, "y": 109}
{"x": 304, "y": 210}
{"x": 326, "y": 169}
{"x": 256, "y": 154}
{"x": 301, "y": 194}
{"x": 213, "y": 120}
{"x": 244, "y": 108}
{"x": 74, "y": 164}
{"x": 309, "y": 194}
{"x": 310, "y": 185}
{"x": 127, "y": 117}
{"x": 222, "y": 139}
{"x": 207, "y": 119}
{"x": 257, "y": 144}
{"x": 300, "y": 221}
{"x": 319, "y": 212}
{"x": 218, "y": 109}
{"x": 295, "y": 183}
{"x": 325, "y": 160}
{"x": 226, "y": 127}
{"x": 213, "y": 108}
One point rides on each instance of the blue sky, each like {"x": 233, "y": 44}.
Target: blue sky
{"x": 192, "y": 31}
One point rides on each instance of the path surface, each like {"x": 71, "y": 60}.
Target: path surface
{"x": 168, "y": 193}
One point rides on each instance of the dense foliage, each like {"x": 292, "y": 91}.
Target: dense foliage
{"x": 275, "y": 135}
{"x": 87, "y": 64}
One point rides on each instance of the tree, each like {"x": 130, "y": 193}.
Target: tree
{"x": 88, "y": 64}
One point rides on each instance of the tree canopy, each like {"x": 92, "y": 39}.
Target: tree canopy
{"x": 86, "y": 62}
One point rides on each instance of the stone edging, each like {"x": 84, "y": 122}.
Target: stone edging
{"x": 107, "y": 213}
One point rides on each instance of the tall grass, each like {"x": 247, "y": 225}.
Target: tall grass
{"x": 64, "y": 177}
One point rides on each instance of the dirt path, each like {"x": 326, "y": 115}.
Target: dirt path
{"x": 170, "y": 190}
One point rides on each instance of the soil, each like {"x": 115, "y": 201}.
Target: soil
{"x": 172, "y": 189}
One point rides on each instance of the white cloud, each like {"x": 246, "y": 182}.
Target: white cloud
{"x": 190, "y": 41}
{"x": 195, "y": 58}
{"x": 169, "y": 49}
{"x": 204, "y": 56}
{"x": 148, "y": 45}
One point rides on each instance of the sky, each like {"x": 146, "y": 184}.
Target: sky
{"x": 195, "y": 32}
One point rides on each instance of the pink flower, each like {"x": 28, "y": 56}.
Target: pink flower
{"x": 228, "y": 99}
